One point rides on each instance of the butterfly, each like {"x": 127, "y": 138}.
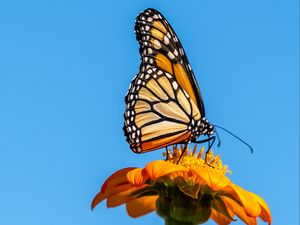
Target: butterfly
{"x": 164, "y": 105}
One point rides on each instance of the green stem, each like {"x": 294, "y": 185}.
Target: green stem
{"x": 171, "y": 221}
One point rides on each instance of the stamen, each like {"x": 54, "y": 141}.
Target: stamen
{"x": 190, "y": 159}
{"x": 194, "y": 150}
{"x": 200, "y": 153}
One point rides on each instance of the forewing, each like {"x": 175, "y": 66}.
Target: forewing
{"x": 160, "y": 47}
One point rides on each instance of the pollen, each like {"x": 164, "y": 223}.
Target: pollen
{"x": 190, "y": 159}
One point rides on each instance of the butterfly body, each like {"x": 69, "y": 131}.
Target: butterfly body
{"x": 164, "y": 104}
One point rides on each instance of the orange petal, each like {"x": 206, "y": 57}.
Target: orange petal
{"x": 141, "y": 206}
{"x": 250, "y": 204}
{"x": 97, "y": 199}
{"x": 160, "y": 168}
{"x": 120, "y": 198}
{"x": 116, "y": 178}
{"x": 219, "y": 218}
{"x": 137, "y": 176}
{"x": 115, "y": 190}
{"x": 265, "y": 214}
{"x": 239, "y": 211}
{"x": 214, "y": 179}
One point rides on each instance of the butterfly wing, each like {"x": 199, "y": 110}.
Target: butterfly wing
{"x": 158, "y": 111}
{"x": 160, "y": 46}
{"x": 164, "y": 98}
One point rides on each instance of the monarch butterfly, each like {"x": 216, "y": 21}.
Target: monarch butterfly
{"x": 164, "y": 105}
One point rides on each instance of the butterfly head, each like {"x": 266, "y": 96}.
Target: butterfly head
{"x": 201, "y": 127}
{"x": 207, "y": 128}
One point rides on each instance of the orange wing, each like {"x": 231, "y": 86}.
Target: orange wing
{"x": 160, "y": 46}
{"x": 163, "y": 100}
{"x": 158, "y": 111}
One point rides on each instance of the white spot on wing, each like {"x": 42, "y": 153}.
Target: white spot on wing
{"x": 186, "y": 94}
{"x": 169, "y": 75}
{"x": 157, "y": 44}
{"x": 181, "y": 51}
{"x": 175, "y": 52}
{"x": 175, "y": 85}
{"x": 166, "y": 40}
{"x": 171, "y": 55}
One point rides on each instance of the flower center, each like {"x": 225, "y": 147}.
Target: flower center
{"x": 191, "y": 159}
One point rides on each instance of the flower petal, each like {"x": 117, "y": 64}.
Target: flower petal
{"x": 220, "y": 219}
{"x": 214, "y": 179}
{"x": 116, "y": 178}
{"x": 97, "y": 199}
{"x": 137, "y": 176}
{"x": 239, "y": 211}
{"x": 160, "y": 168}
{"x": 141, "y": 206}
{"x": 115, "y": 190}
{"x": 120, "y": 198}
{"x": 265, "y": 214}
{"x": 250, "y": 204}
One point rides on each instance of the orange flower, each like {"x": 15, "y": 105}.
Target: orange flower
{"x": 189, "y": 192}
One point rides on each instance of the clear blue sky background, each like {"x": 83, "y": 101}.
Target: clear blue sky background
{"x": 65, "y": 67}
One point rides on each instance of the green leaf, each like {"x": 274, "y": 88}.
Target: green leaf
{"x": 187, "y": 187}
{"x": 165, "y": 181}
{"x": 144, "y": 192}
{"x": 160, "y": 186}
{"x": 220, "y": 207}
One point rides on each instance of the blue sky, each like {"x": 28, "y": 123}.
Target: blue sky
{"x": 65, "y": 67}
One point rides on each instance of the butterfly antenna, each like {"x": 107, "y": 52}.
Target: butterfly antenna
{"x": 218, "y": 137}
{"x": 251, "y": 149}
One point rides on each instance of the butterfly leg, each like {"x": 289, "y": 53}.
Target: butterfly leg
{"x": 167, "y": 154}
{"x": 210, "y": 144}
{"x": 206, "y": 140}
{"x": 184, "y": 149}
